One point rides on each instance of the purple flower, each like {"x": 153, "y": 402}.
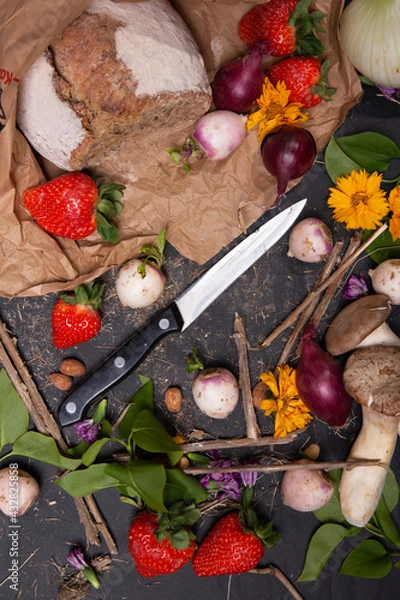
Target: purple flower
{"x": 389, "y": 93}
{"x": 355, "y": 287}
{"x": 87, "y": 430}
{"x": 76, "y": 559}
{"x": 249, "y": 478}
{"x": 224, "y": 484}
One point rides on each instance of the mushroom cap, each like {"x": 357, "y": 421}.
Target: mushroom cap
{"x": 355, "y": 322}
{"x": 372, "y": 377}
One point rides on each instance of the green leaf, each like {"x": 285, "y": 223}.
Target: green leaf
{"x": 321, "y": 547}
{"x": 331, "y": 512}
{"x": 391, "y": 490}
{"x": 151, "y": 436}
{"x": 43, "y": 448}
{"x": 367, "y": 150}
{"x": 181, "y": 486}
{"x": 14, "y": 416}
{"x": 382, "y": 519}
{"x": 369, "y": 559}
{"x": 93, "y": 451}
{"x": 87, "y": 481}
{"x": 146, "y": 478}
{"x": 143, "y": 398}
{"x": 383, "y": 248}
{"x": 108, "y": 231}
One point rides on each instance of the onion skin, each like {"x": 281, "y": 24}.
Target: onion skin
{"x": 306, "y": 490}
{"x": 219, "y": 133}
{"x": 385, "y": 279}
{"x": 238, "y": 84}
{"x": 136, "y": 291}
{"x": 216, "y": 392}
{"x": 26, "y": 492}
{"x": 319, "y": 382}
{"x": 288, "y": 153}
{"x": 310, "y": 240}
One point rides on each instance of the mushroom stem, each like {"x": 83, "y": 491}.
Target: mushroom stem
{"x": 361, "y": 487}
{"x": 382, "y": 335}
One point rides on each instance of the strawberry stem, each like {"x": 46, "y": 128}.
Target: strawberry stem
{"x": 108, "y": 207}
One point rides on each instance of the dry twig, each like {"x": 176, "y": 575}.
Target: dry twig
{"x": 275, "y": 572}
{"x": 20, "y": 377}
{"x": 252, "y": 430}
{"x": 291, "y": 318}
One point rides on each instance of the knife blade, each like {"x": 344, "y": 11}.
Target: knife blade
{"x": 189, "y": 305}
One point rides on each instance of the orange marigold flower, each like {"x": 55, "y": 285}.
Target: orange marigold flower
{"x": 394, "y": 205}
{"x": 358, "y": 200}
{"x": 275, "y": 110}
{"x": 290, "y": 411}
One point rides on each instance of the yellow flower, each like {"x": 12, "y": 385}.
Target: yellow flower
{"x": 290, "y": 411}
{"x": 275, "y": 110}
{"x": 394, "y": 205}
{"x": 358, "y": 200}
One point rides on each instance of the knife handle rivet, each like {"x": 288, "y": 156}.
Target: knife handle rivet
{"x": 70, "y": 408}
{"x": 163, "y": 323}
{"x": 119, "y": 362}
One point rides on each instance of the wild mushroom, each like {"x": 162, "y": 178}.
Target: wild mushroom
{"x": 372, "y": 377}
{"x": 361, "y": 323}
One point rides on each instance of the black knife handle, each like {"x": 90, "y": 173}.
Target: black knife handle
{"x": 119, "y": 364}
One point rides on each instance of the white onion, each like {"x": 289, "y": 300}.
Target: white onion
{"x": 18, "y": 491}
{"x": 369, "y": 34}
{"x": 216, "y": 392}
{"x": 385, "y": 279}
{"x": 310, "y": 240}
{"x": 219, "y": 133}
{"x": 137, "y": 291}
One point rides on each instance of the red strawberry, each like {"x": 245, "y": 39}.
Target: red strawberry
{"x": 72, "y": 206}
{"x": 285, "y": 24}
{"x": 161, "y": 544}
{"x": 234, "y": 545}
{"x": 75, "y": 317}
{"x": 305, "y": 77}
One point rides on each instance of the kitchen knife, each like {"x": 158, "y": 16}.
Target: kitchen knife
{"x": 180, "y": 314}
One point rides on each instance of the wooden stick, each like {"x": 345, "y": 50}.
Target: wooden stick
{"x": 306, "y": 314}
{"x": 317, "y": 291}
{"x": 312, "y": 466}
{"x": 275, "y": 572}
{"x": 252, "y": 429}
{"x": 354, "y": 243}
{"x": 45, "y": 423}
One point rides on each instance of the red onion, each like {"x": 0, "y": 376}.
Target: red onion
{"x": 288, "y": 153}
{"x": 319, "y": 382}
{"x": 239, "y": 83}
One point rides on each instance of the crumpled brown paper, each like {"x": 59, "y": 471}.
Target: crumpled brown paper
{"x": 203, "y": 211}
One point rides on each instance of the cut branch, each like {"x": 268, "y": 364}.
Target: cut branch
{"x": 317, "y": 291}
{"x": 252, "y": 429}
{"x": 45, "y": 423}
{"x": 275, "y": 572}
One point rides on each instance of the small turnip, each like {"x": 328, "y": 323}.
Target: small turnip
{"x": 306, "y": 490}
{"x": 140, "y": 282}
{"x": 385, "y": 279}
{"x": 310, "y": 240}
{"x": 216, "y": 392}
{"x": 137, "y": 290}
{"x": 18, "y": 491}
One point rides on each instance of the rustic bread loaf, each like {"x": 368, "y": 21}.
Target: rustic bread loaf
{"x": 119, "y": 70}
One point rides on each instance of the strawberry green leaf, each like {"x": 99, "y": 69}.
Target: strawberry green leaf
{"x": 305, "y": 23}
{"x": 369, "y": 559}
{"x": 107, "y": 230}
{"x": 14, "y": 417}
